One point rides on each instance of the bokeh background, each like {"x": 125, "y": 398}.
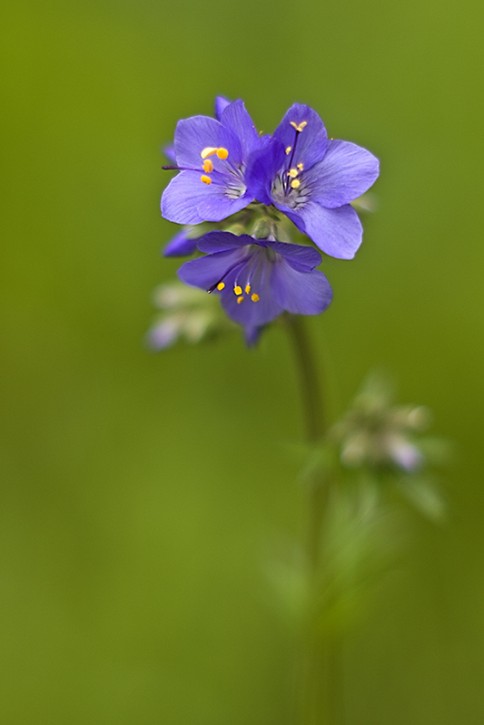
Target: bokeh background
{"x": 145, "y": 496}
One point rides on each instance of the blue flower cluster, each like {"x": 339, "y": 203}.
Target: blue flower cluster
{"x": 261, "y": 185}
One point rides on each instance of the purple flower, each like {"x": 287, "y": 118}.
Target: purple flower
{"x": 211, "y": 156}
{"x": 313, "y": 179}
{"x": 258, "y": 279}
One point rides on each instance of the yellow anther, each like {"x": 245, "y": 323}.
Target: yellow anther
{"x": 299, "y": 127}
{"x": 219, "y": 151}
{"x": 207, "y": 166}
{"x": 221, "y": 286}
{"x": 293, "y": 173}
{"x": 255, "y": 297}
{"x": 222, "y": 153}
{"x": 205, "y": 179}
{"x": 239, "y": 300}
{"x": 208, "y": 151}
{"x": 237, "y": 290}
{"x": 288, "y": 150}
{"x": 247, "y": 289}
{"x": 300, "y": 166}
{"x": 295, "y": 184}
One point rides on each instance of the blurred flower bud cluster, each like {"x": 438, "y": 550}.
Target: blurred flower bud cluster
{"x": 378, "y": 434}
{"x": 186, "y": 315}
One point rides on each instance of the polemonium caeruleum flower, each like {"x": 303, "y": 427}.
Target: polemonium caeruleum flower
{"x": 313, "y": 179}
{"x": 262, "y": 185}
{"x": 212, "y": 156}
{"x": 258, "y": 279}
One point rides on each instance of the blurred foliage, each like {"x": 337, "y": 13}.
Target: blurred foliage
{"x": 144, "y": 496}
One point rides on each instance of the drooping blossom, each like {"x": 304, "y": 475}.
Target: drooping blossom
{"x": 258, "y": 279}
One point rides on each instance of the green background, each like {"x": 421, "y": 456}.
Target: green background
{"x": 144, "y": 497}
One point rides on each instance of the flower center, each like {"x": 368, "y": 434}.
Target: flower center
{"x": 241, "y": 289}
{"x": 254, "y": 297}
{"x": 238, "y": 291}
{"x": 288, "y": 181}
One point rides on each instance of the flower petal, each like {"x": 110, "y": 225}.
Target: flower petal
{"x": 311, "y": 143}
{"x": 236, "y": 118}
{"x": 194, "y": 134}
{"x": 300, "y": 257}
{"x": 262, "y": 169}
{"x": 222, "y": 242}
{"x": 337, "y": 232}
{"x": 303, "y": 293}
{"x": 252, "y": 335}
{"x": 187, "y": 200}
{"x": 180, "y": 246}
{"x": 169, "y": 152}
{"x": 217, "y": 205}
{"x": 221, "y": 104}
{"x": 345, "y": 173}
{"x": 205, "y": 272}
{"x": 181, "y": 196}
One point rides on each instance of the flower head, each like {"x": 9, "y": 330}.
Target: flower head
{"x": 258, "y": 279}
{"x": 212, "y": 156}
{"x": 313, "y": 179}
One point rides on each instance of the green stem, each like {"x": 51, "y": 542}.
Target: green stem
{"x": 319, "y": 672}
{"x": 315, "y": 425}
{"x": 309, "y": 381}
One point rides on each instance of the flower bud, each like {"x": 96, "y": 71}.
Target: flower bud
{"x": 186, "y": 315}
